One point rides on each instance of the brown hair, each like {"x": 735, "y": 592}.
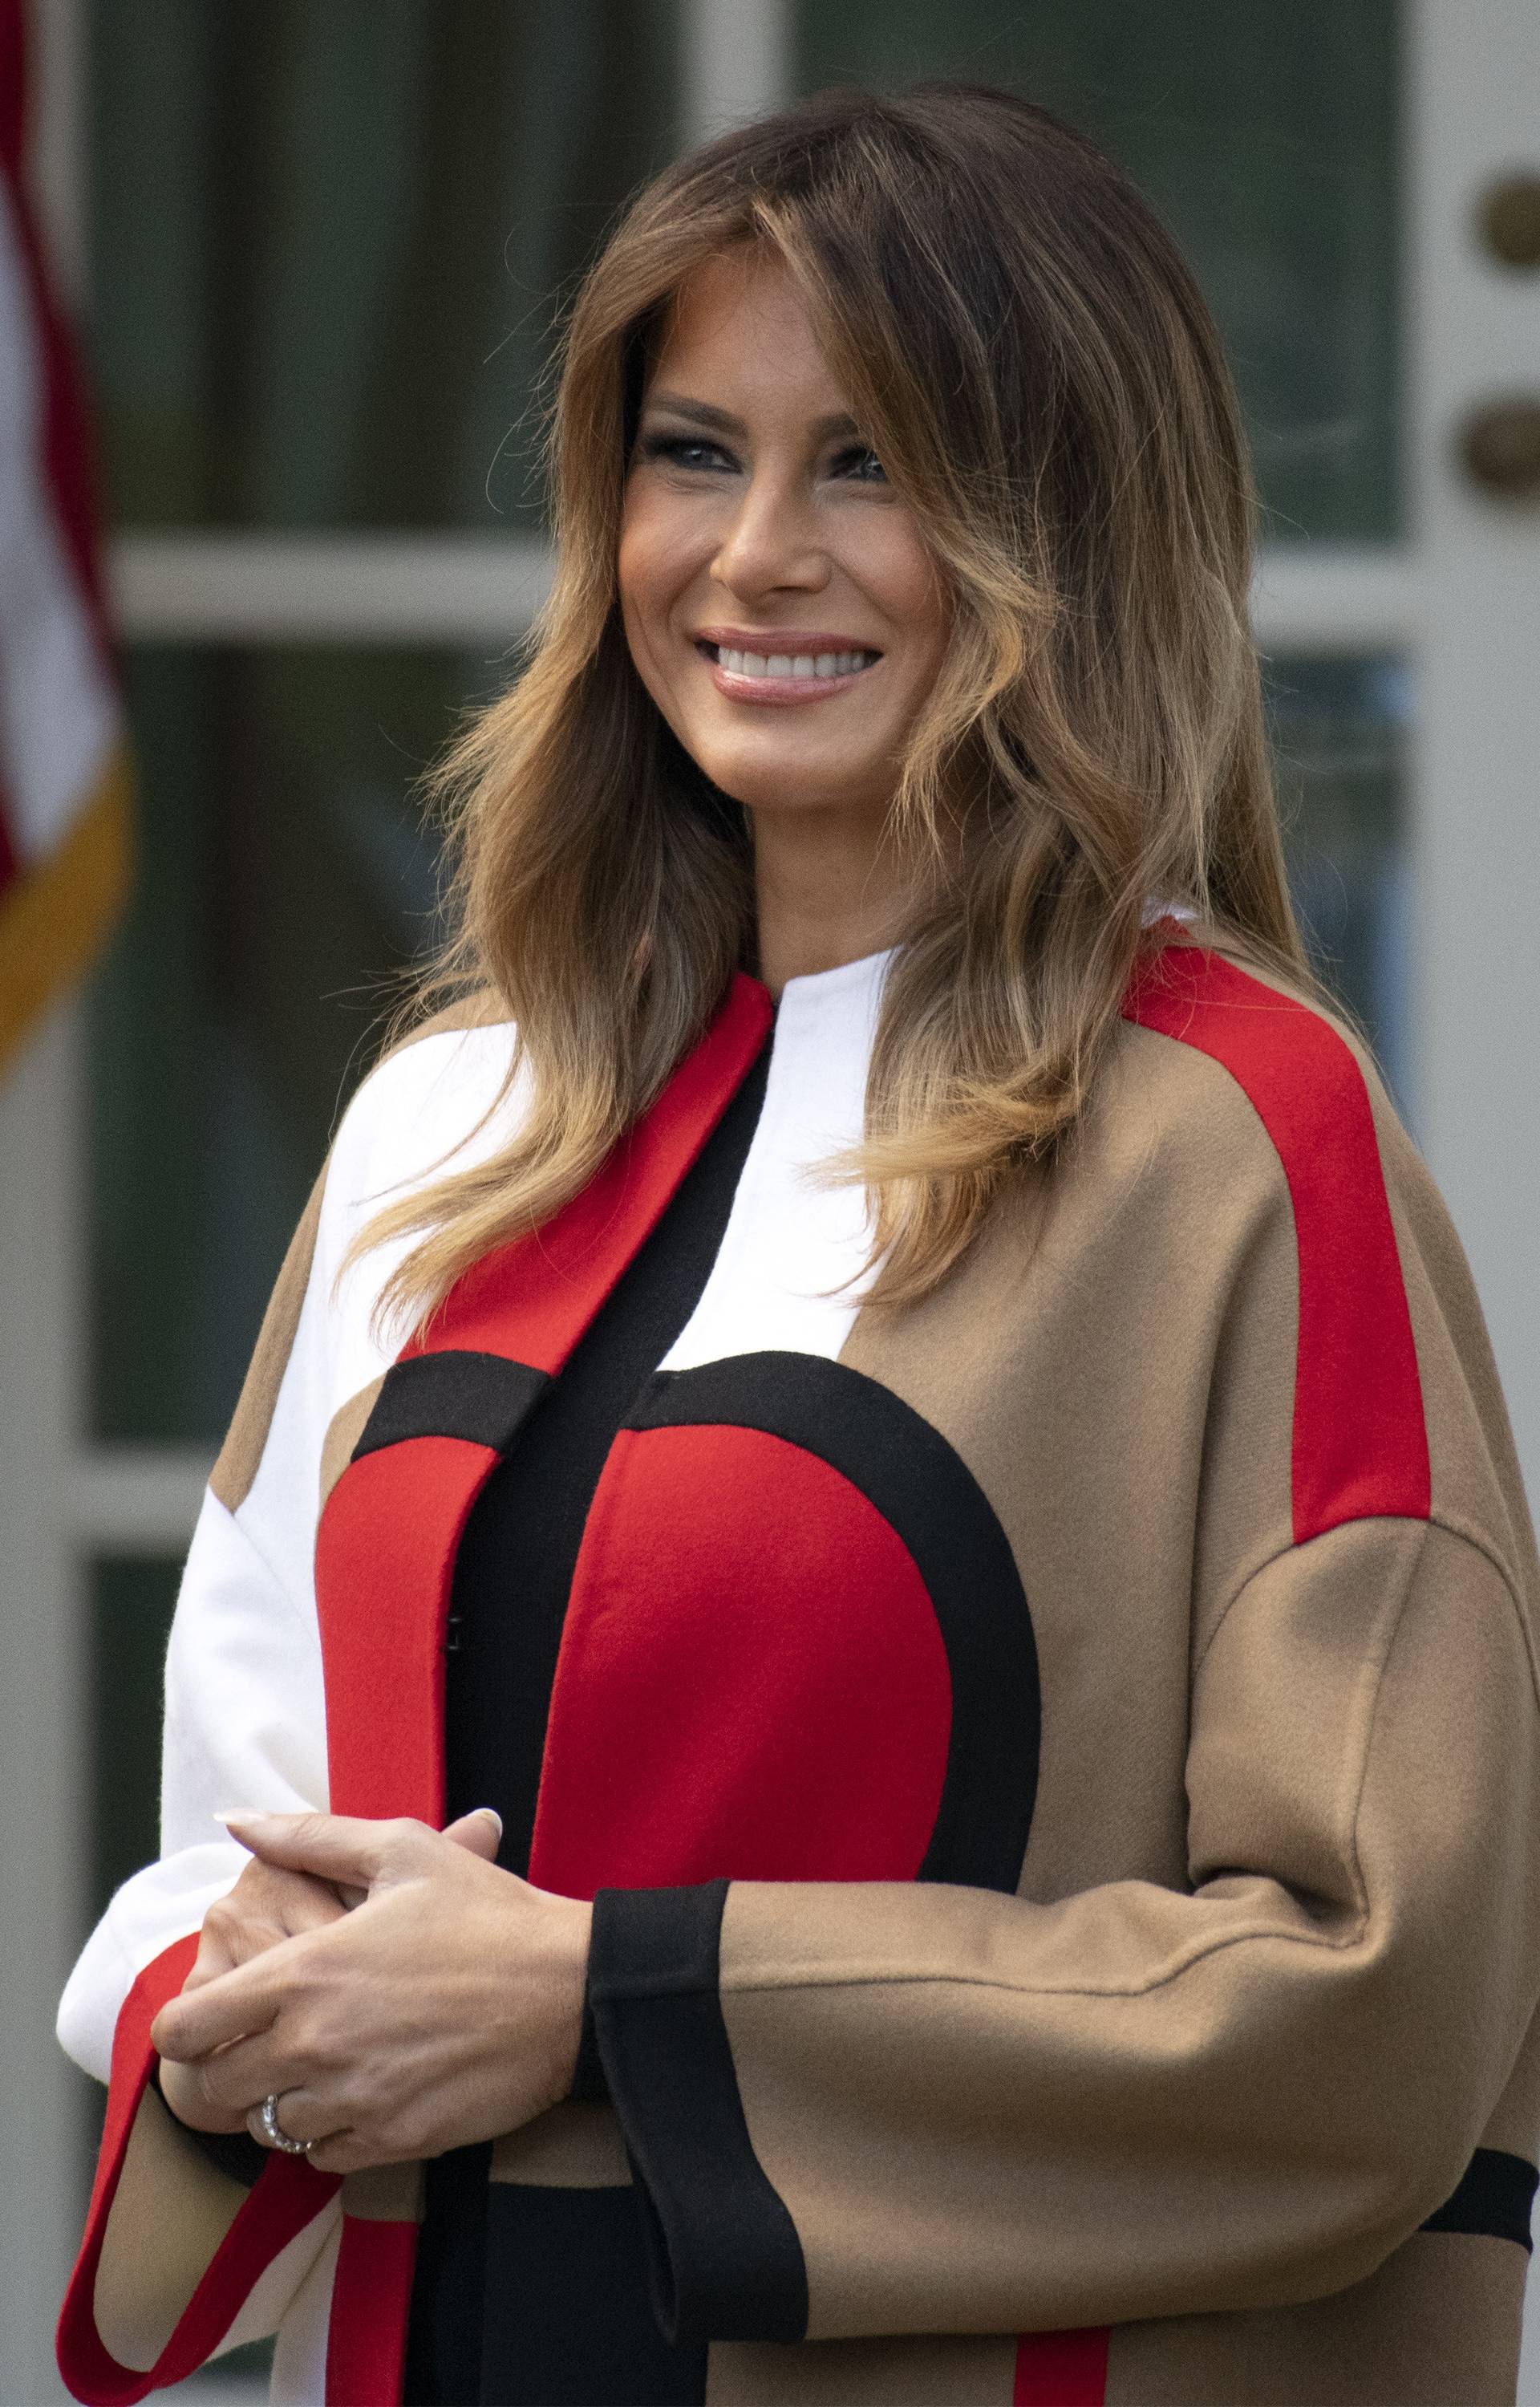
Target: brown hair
{"x": 1028, "y": 352}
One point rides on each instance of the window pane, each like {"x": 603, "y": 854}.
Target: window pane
{"x": 325, "y": 241}
{"x": 132, "y": 1605}
{"x": 285, "y": 877}
{"x": 1267, "y": 136}
{"x": 1341, "y": 730}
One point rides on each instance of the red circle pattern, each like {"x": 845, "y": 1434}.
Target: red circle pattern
{"x": 752, "y": 1683}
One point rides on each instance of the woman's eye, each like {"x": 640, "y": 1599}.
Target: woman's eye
{"x": 862, "y": 463}
{"x": 686, "y": 451}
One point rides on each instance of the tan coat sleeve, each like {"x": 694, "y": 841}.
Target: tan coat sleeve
{"x": 882, "y": 2108}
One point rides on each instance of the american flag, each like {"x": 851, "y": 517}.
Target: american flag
{"x": 65, "y": 801}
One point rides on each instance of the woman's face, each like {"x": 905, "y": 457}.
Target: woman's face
{"x": 779, "y": 604}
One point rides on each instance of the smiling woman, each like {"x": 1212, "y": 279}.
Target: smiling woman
{"x": 984, "y": 401}
{"x": 902, "y": 1762}
{"x": 765, "y": 564}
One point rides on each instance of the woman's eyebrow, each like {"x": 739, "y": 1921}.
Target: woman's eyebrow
{"x": 722, "y": 421}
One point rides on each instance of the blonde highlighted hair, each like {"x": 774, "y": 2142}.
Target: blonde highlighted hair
{"x": 1028, "y": 352}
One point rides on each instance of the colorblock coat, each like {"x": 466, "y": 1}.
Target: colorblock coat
{"x": 1058, "y": 1766}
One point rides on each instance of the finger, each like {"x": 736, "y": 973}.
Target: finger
{"x": 235, "y": 1930}
{"x": 223, "y": 1952}
{"x": 238, "y": 2078}
{"x": 344, "y": 2152}
{"x": 334, "y": 1847}
{"x": 182, "y": 2088}
{"x": 306, "y": 1904}
{"x": 237, "y": 2005}
{"x": 480, "y": 1833}
{"x": 216, "y": 1954}
{"x": 300, "y": 2116}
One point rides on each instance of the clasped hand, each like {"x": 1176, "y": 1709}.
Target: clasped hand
{"x": 445, "y": 2008}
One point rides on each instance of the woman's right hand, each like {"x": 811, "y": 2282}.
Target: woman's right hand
{"x": 265, "y": 1907}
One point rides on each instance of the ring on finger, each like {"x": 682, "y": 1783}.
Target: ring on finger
{"x": 274, "y": 2134}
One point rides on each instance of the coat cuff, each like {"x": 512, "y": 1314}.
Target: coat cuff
{"x": 194, "y": 2301}
{"x": 724, "y": 2260}
{"x": 589, "y": 2086}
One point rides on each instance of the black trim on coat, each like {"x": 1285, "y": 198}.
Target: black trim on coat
{"x": 1494, "y": 2198}
{"x": 458, "y": 1393}
{"x": 513, "y": 1570}
{"x": 444, "y": 2335}
{"x": 919, "y": 1483}
{"x": 726, "y": 2261}
{"x": 589, "y": 2083}
{"x": 513, "y": 1574}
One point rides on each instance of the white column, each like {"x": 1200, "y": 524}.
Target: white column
{"x": 1473, "y": 111}
{"x": 1474, "y": 331}
{"x": 735, "y": 63}
{"x": 43, "y": 1803}
{"x": 43, "y": 1774}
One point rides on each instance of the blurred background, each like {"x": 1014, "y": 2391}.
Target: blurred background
{"x": 313, "y": 251}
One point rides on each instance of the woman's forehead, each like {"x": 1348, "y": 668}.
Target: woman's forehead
{"x": 741, "y": 319}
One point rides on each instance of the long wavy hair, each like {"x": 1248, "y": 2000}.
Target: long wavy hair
{"x": 1026, "y": 351}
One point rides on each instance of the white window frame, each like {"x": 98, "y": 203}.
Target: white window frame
{"x": 1458, "y": 597}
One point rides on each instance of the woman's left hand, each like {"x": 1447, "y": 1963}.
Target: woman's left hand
{"x": 446, "y": 2009}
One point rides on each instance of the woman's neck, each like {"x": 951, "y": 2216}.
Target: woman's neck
{"x": 828, "y": 888}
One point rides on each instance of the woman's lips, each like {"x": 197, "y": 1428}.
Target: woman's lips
{"x": 779, "y": 678}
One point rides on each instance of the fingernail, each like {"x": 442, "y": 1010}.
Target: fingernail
{"x": 493, "y": 1816}
{"x": 240, "y": 1813}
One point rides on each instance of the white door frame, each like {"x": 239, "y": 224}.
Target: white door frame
{"x": 1459, "y": 596}
{"x": 43, "y": 1672}
{"x": 1473, "y": 333}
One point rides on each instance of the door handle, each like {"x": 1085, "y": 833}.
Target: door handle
{"x": 1500, "y": 446}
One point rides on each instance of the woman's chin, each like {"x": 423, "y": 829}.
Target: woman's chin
{"x": 767, "y": 783}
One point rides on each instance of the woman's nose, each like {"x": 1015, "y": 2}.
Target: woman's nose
{"x": 772, "y": 544}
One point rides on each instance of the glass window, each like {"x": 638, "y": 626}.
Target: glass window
{"x": 326, "y": 238}
{"x": 1268, "y": 139}
{"x": 131, "y": 1604}
{"x": 286, "y": 880}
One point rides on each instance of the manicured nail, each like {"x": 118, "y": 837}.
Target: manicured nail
{"x": 240, "y": 1813}
{"x": 493, "y": 1816}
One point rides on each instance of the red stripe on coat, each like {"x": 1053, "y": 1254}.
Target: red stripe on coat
{"x": 372, "y": 2297}
{"x": 289, "y": 2194}
{"x": 384, "y": 1562}
{"x": 1360, "y": 1435}
{"x": 1062, "y": 2369}
{"x": 531, "y": 1301}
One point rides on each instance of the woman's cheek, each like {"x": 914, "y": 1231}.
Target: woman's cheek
{"x": 648, "y": 570}
{"x": 660, "y": 536}
{"x": 901, "y": 577}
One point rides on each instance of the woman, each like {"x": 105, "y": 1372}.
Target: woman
{"x": 932, "y": 1512}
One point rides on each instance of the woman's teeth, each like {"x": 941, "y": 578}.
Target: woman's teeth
{"x": 792, "y": 665}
